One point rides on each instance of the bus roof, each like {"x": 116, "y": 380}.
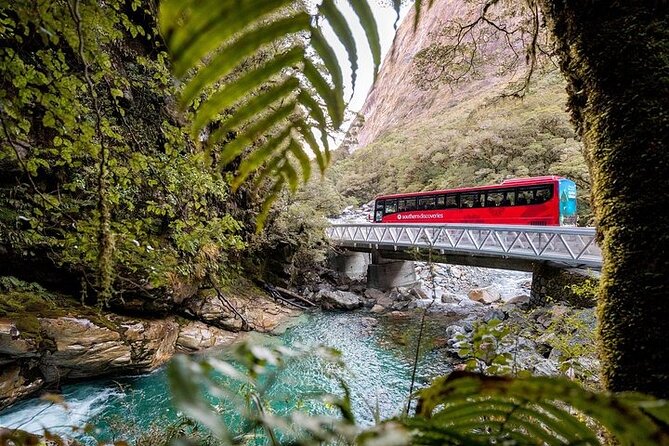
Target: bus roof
{"x": 512, "y": 182}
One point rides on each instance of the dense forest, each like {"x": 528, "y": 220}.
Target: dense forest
{"x": 105, "y": 195}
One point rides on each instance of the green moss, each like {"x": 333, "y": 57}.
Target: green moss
{"x": 25, "y": 307}
{"x": 24, "y": 303}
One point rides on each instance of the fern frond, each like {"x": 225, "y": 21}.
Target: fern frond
{"x": 534, "y": 410}
{"x": 273, "y": 107}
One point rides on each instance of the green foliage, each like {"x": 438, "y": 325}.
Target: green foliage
{"x": 482, "y": 351}
{"x": 170, "y": 217}
{"x": 462, "y": 408}
{"x": 465, "y": 408}
{"x": 241, "y": 388}
{"x": 573, "y": 338}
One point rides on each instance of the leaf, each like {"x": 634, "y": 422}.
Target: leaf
{"x": 209, "y": 24}
{"x": 334, "y": 99}
{"x": 255, "y": 106}
{"x": 309, "y": 138}
{"x": 537, "y": 407}
{"x": 305, "y": 163}
{"x": 237, "y": 146}
{"x": 316, "y": 112}
{"x": 343, "y": 32}
{"x": 259, "y": 156}
{"x": 329, "y": 58}
{"x": 232, "y": 55}
{"x": 183, "y": 376}
{"x": 267, "y": 204}
{"x": 364, "y": 13}
{"x": 233, "y": 92}
{"x": 290, "y": 174}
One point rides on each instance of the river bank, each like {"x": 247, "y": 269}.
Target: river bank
{"x": 47, "y": 340}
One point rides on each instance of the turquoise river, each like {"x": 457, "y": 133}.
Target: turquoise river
{"x": 378, "y": 353}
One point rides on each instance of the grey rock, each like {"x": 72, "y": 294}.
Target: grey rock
{"x": 341, "y": 300}
{"x": 449, "y": 298}
{"x": 494, "y": 313}
{"x": 378, "y": 309}
{"x": 373, "y": 293}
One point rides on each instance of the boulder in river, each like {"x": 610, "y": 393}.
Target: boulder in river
{"x": 262, "y": 314}
{"x": 374, "y": 294}
{"x": 341, "y": 300}
{"x": 378, "y": 309}
{"x": 485, "y": 295}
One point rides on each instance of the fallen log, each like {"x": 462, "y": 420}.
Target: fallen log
{"x": 294, "y": 295}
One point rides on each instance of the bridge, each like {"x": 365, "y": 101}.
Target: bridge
{"x": 544, "y": 250}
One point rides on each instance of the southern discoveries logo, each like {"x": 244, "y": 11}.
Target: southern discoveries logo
{"x": 417, "y": 216}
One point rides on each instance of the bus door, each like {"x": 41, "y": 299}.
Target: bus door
{"x": 567, "y": 191}
{"x": 378, "y": 212}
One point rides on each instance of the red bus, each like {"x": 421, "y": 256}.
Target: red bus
{"x": 544, "y": 201}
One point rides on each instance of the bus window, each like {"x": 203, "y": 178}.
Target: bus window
{"x": 524, "y": 197}
{"x": 542, "y": 195}
{"x": 509, "y": 198}
{"x": 411, "y": 204}
{"x": 401, "y": 205}
{"x": 452, "y": 201}
{"x": 494, "y": 199}
{"x": 441, "y": 202}
{"x": 391, "y": 207}
{"x": 468, "y": 200}
{"x": 426, "y": 203}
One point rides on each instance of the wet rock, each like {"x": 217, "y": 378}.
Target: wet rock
{"x": 262, "y": 314}
{"x": 369, "y": 322}
{"x": 357, "y": 287}
{"x": 386, "y": 300}
{"x": 12, "y": 344}
{"x": 377, "y": 309}
{"x": 196, "y": 336}
{"x": 493, "y": 314}
{"x": 417, "y": 293}
{"x": 470, "y": 303}
{"x": 374, "y": 294}
{"x": 486, "y": 295}
{"x": 399, "y": 305}
{"x": 341, "y": 300}
{"x": 449, "y": 298}
{"x": 522, "y": 300}
{"x": 18, "y": 381}
{"x": 83, "y": 349}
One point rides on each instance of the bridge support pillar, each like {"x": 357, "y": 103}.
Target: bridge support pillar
{"x": 352, "y": 264}
{"x": 384, "y": 274}
{"x": 554, "y": 284}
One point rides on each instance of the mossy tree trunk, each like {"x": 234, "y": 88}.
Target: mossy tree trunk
{"x": 615, "y": 56}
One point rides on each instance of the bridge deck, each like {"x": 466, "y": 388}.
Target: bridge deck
{"x": 568, "y": 246}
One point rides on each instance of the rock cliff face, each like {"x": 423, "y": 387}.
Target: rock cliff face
{"x": 396, "y": 100}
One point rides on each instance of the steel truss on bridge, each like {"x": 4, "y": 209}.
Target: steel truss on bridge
{"x": 569, "y": 246}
